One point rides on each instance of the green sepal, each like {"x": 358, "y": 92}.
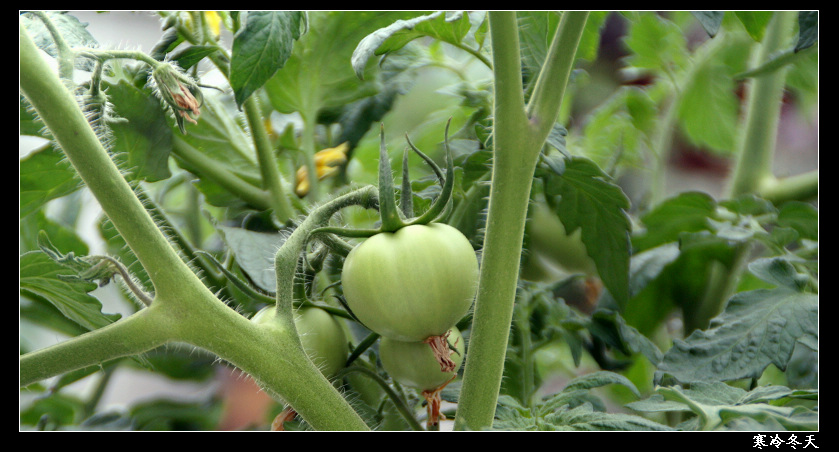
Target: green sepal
{"x": 388, "y": 210}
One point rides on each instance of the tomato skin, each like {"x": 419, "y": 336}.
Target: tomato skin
{"x": 549, "y": 240}
{"x": 413, "y": 363}
{"x": 322, "y": 335}
{"x": 411, "y": 284}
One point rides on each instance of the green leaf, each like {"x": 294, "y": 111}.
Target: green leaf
{"x": 255, "y": 253}
{"x": 802, "y": 217}
{"x": 709, "y": 107}
{"x": 39, "y": 275}
{"x": 45, "y": 174}
{"x": 261, "y": 48}
{"x": 755, "y": 22}
{"x": 142, "y": 143}
{"x": 317, "y": 76}
{"x": 685, "y": 212}
{"x": 399, "y": 33}
{"x": 719, "y": 406}
{"x": 710, "y": 20}
{"x": 586, "y": 198}
{"x": 74, "y": 33}
{"x": 191, "y": 55}
{"x": 172, "y": 415}
{"x": 757, "y": 328}
{"x": 619, "y": 128}
{"x": 808, "y": 29}
{"x": 656, "y": 44}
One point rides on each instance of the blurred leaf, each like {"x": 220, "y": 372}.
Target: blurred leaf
{"x": 45, "y": 174}
{"x": 74, "y": 33}
{"x": 168, "y": 415}
{"x": 808, "y": 29}
{"x": 755, "y": 22}
{"x": 317, "y": 75}
{"x": 55, "y": 410}
{"x": 261, "y": 48}
{"x": 710, "y": 20}
{"x": 655, "y": 43}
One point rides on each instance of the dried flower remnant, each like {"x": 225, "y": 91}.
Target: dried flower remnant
{"x": 179, "y": 92}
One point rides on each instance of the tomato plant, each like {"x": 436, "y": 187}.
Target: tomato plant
{"x": 169, "y": 192}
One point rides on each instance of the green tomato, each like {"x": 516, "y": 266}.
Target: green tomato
{"x": 323, "y": 337}
{"x": 413, "y": 363}
{"x": 549, "y": 240}
{"x": 411, "y": 284}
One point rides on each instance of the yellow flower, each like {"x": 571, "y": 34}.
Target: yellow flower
{"x": 213, "y": 20}
{"x": 327, "y": 162}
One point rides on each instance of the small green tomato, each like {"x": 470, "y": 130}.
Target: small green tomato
{"x": 414, "y": 363}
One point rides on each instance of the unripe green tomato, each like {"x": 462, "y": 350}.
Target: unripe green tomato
{"x": 322, "y": 335}
{"x": 411, "y": 284}
{"x": 548, "y": 239}
{"x": 413, "y": 363}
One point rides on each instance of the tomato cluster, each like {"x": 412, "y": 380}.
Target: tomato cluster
{"x": 412, "y": 286}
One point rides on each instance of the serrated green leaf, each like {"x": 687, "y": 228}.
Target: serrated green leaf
{"x": 757, "y": 328}
{"x": 585, "y": 418}
{"x": 45, "y": 174}
{"x": 39, "y": 275}
{"x": 586, "y": 198}
{"x": 718, "y": 404}
{"x": 261, "y": 48}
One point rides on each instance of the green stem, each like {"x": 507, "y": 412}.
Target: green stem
{"x": 218, "y": 173}
{"x": 394, "y": 397}
{"x": 132, "y": 335}
{"x": 517, "y": 139}
{"x": 271, "y": 178}
{"x": 757, "y": 146}
{"x": 801, "y": 187}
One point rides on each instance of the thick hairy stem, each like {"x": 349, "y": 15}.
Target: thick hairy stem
{"x": 183, "y": 310}
{"x": 133, "y": 335}
{"x": 57, "y": 108}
